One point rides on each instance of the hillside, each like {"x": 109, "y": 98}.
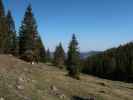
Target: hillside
{"x": 115, "y": 63}
{"x": 22, "y": 81}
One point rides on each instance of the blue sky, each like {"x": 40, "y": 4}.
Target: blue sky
{"x": 98, "y": 24}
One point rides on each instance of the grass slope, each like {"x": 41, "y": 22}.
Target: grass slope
{"x": 22, "y": 81}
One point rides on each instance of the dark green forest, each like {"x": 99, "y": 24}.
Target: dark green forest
{"x": 114, "y": 63}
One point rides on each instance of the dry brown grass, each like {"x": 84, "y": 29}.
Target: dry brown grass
{"x": 22, "y": 81}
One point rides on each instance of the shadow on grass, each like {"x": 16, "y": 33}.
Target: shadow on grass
{"x": 73, "y": 77}
{"x": 81, "y": 98}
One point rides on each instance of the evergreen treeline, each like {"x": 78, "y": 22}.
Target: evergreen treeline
{"x": 6, "y": 31}
{"x": 27, "y": 44}
{"x": 71, "y": 61}
{"x": 115, "y": 63}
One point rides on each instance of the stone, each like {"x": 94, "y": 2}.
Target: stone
{"x": 62, "y": 96}
{"x": 1, "y": 98}
{"x": 53, "y": 88}
{"x": 32, "y": 63}
{"x": 10, "y": 55}
{"x": 20, "y": 87}
{"x": 21, "y": 79}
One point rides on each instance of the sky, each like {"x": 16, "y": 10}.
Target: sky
{"x": 98, "y": 24}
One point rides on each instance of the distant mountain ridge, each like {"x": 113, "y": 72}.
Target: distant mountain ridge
{"x": 84, "y": 55}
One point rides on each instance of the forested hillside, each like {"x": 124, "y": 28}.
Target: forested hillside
{"x": 115, "y": 63}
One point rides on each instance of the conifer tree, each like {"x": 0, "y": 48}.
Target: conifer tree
{"x": 28, "y": 35}
{"x": 2, "y": 10}
{"x": 59, "y": 56}
{"x": 73, "y": 58}
{"x": 28, "y": 32}
{"x": 3, "y": 29}
{"x": 12, "y": 37}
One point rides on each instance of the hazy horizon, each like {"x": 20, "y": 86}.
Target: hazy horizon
{"x": 98, "y": 24}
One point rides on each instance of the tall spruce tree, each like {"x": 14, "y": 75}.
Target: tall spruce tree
{"x": 59, "y": 56}
{"x": 73, "y": 58}
{"x": 3, "y": 29}
{"x": 28, "y": 32}
{"x": 2, "y": 10}
{"x": 12, "y": 37}
{"x": 28, "y": 35}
